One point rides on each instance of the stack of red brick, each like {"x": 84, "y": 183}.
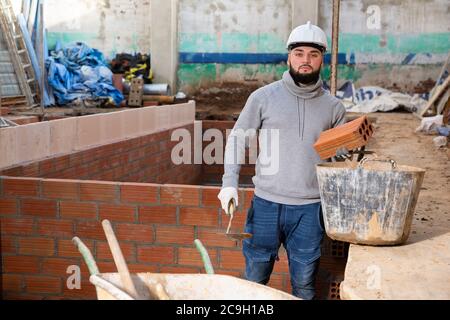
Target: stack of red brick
{"x": 351, "y": 136}
{"x": 4, "y": 111}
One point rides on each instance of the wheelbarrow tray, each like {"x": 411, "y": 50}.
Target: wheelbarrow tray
{"x": 187, "y": 287}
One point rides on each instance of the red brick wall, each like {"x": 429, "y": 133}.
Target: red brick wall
{"x": 212, "y": 174}
{"x": 142, "y": 159}
{"x": 155, "y": 224}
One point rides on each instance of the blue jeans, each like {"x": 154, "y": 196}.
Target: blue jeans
{"x": 300, "y": 230}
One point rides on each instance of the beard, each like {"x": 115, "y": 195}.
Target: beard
{"x": 304, "y": 78}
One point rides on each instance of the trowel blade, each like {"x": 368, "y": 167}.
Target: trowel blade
{"x": 239, "y": 236}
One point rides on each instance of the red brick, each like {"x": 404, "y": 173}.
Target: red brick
{"x": 77, "y": 210}
{"x": 86, "y": 292}
{"x": 43, "y": 208}
{"x": 161, "y": 255}
{"x": 232, "y": 259}
{"x": 61, "y": 163}
{"x": 66, "y": 248}
{"x": 36, "y": 246}
{"x": 236, "y": 274}
{"x": 117, "y": 212}
{"x": 31, "y": 170}
{"x": 248, "y": 197}
{"x": 12, "y": 283}
{"x": 281, "y": 266}
{"x": 107, "y": 267}
{"x": 8, "y": 207}
{"x": 13, "y": 172}
{"x": 139, "y": 193}
{"x": 103, "y": 251}
{"x": 191, "y": 257}
{"x": 199, "y": 217}
{"x": 7, "y": 244}
{"x": 184, "y": 195}
{"x": 4, "y": 111}
{"x": 55, "y": 228}
{"x": 142, "y": 268}
{"x": 176, "y": 235}
{"x": 39, "y": 284}
{"x": 46, "y": 167}
{"x": 209, "y": 197}
{"x": 59, "y": 266}
{"x": 238, "y": 223}
{"x": 20, "y": 186}
{"x": 56, "y": 189}
{"x": 98, "y": 191}
{"x": 90, "y": 230}
{"x": 22, "y": 296}
{"x": 161, "y": 215}
{"x": 215, "y": 238}
{"x": 20, "y": 264}
{"x": 22, "y": 226}
{"x": 135, "y": 232}
{"x": 179, "y": 270}
{"x": 277, "y": 282}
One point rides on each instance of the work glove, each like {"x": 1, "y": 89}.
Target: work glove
{"x": 225, "y": 195}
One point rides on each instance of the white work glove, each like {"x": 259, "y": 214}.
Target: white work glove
{"x": 225, "y": 195}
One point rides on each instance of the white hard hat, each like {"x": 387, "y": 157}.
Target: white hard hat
{"x": 308, "y": 33}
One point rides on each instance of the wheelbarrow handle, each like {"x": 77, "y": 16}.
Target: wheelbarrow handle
{"x": 119, "y": 260}
{"x": 87, "y": 255}
{"x": 365, "y": 160}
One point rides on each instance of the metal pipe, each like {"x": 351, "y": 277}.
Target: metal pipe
{"x": 160, "y": 89}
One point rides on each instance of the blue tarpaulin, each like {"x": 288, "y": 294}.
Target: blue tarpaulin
{"x": 80, "y": 72}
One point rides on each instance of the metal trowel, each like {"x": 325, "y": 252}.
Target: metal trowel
{"x": 235, "y": 236}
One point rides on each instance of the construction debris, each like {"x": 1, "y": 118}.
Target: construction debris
{"x": 372, "y": 99}
{"x": 136, "y": 93}
{"x": 440, "y": 142}
{"x": 429, "y": 125}
{"x": 133, "y": 66}
{"x": 79, "y": 72}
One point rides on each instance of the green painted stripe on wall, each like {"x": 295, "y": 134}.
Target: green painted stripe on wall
{"x": 420, "y": 43}
{"x": 193, "y": 74}
{"x": 68, "y": 37}
{"x": 436, "y": 43}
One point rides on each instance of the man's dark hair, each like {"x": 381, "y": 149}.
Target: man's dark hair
{"x": 306, "y": 44}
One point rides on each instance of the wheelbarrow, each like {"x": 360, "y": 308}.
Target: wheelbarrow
{"x": 164, "y": 286}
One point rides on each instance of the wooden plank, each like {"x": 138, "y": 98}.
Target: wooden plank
{"x": 440, "y": 90}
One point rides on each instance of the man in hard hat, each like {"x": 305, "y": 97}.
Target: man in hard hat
{"x": 286, "y": 207}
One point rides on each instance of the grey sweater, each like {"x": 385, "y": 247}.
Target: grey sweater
{"x": 299, "y": 115}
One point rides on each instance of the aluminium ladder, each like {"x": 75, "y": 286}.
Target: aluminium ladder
{"x": 19, "y": 54}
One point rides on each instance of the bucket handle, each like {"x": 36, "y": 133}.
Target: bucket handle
{"x": 365, "y": 160}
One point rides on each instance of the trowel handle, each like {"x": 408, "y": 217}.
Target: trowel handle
{"x": 231, "y": 209}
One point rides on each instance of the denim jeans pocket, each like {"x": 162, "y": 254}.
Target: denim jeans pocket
{"x": 256, "y": 254}
{"x": 320, "y": 221}
{"x": 305, "y": 256}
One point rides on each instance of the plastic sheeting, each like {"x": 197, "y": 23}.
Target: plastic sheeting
{"x": 80, "y": 72}
{"x": 372, "y": 99}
